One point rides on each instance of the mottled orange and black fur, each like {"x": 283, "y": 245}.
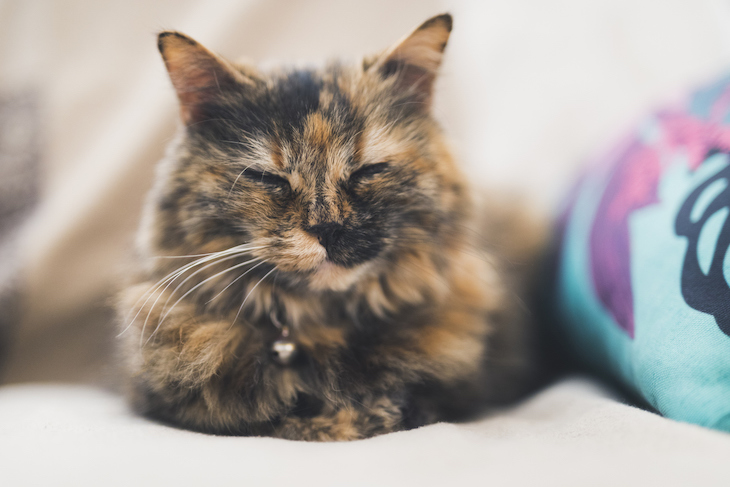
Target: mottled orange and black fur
{"x": 325, "y": 200}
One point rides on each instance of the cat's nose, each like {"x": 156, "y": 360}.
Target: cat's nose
{"x": 327, "y": 233}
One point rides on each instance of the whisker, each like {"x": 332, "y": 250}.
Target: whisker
{"x": 149, "y": 291}
{"x": 155, "y": 287}
{"x": 234, "y": 281}
{"x": 249, "y": 294}
{"x": 159, "y": 323}
{"x": 215, "y": 262}
{"x": 234, "y": 249}
{"x": 182, "y": 256}
{"x": 237, "y": 178}
{"x": 209, "y": 256}
{"x": 160, "y": 294}
{"x": 177, "y": 273}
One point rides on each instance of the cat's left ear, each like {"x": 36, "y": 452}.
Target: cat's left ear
{"x": 198, "y": 75}
{"x": 416, "y": 59}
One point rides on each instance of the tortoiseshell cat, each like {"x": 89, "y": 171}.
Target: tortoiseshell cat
{"x": 312, "y": 266}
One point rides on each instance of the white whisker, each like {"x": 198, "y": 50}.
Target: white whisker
{"x": 182, "y": 256}
{"x": 159, "y": 323}
{"x": 249, "y": 294}
{"x": 177, "y": 273}
{"x": 155, "y": 287}
{"x": 149, "y": 292}
{"x": 215, "y": 262}
{"x": 161, "y": 293}
{"x": 234, "y": 281}
{"x": 237, "y": 178}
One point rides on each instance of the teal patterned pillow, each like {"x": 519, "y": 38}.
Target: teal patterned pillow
{"x": 643, "y": 270}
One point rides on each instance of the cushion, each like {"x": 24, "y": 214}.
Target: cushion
{"x": 642, "y": 270}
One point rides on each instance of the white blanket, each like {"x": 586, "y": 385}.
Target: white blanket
{"x": 572, "y": 434}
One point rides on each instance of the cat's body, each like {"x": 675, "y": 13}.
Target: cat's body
{"x": 337, "y": 285}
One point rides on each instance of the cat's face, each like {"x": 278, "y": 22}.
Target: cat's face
{"x": 329, "y": 175}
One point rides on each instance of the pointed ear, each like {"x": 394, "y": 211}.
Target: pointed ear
{"x": 415, "y": 60}
{"x": 198, "y": 75}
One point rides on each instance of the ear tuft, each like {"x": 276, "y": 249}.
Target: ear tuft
{"x": 416, "y": 59}
{"x": 198, "y": 75}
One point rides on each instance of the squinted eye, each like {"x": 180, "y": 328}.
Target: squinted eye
{"x": 368, "y": 172}
{"x": 266, "y": 178}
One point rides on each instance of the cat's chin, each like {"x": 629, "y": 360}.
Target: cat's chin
{"x": 329, "y": 276}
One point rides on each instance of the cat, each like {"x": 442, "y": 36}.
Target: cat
{"x": 312, "y": 263}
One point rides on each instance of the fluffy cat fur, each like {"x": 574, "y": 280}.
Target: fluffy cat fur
{"x": 327, "y": 201}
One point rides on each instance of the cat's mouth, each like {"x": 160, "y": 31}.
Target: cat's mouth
{"x": 331, "y": 276}
{"x": 305, "y": 258}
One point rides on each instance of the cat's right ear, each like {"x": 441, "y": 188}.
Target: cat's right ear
{"x": 198, "y": 75}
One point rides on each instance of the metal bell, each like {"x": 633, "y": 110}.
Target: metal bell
{"x": 283, "y": 349}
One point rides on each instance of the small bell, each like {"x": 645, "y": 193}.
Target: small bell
{"x": 283, "y": 349}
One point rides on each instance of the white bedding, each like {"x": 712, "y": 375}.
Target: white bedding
{"x": 528, "y": 91}
{"x": 572, "y": 434}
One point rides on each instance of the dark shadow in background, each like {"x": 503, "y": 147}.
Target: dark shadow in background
{"x": 20, "y": 153}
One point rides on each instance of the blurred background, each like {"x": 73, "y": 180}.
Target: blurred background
{"x": 530, "y": 90}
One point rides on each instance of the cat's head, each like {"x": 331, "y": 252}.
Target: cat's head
{"x": 330, "y": 174}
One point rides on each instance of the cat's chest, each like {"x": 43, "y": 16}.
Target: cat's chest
{"x": 330, "y": 326}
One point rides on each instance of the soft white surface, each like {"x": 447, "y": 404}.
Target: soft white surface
{"x": 572, "y": 434}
